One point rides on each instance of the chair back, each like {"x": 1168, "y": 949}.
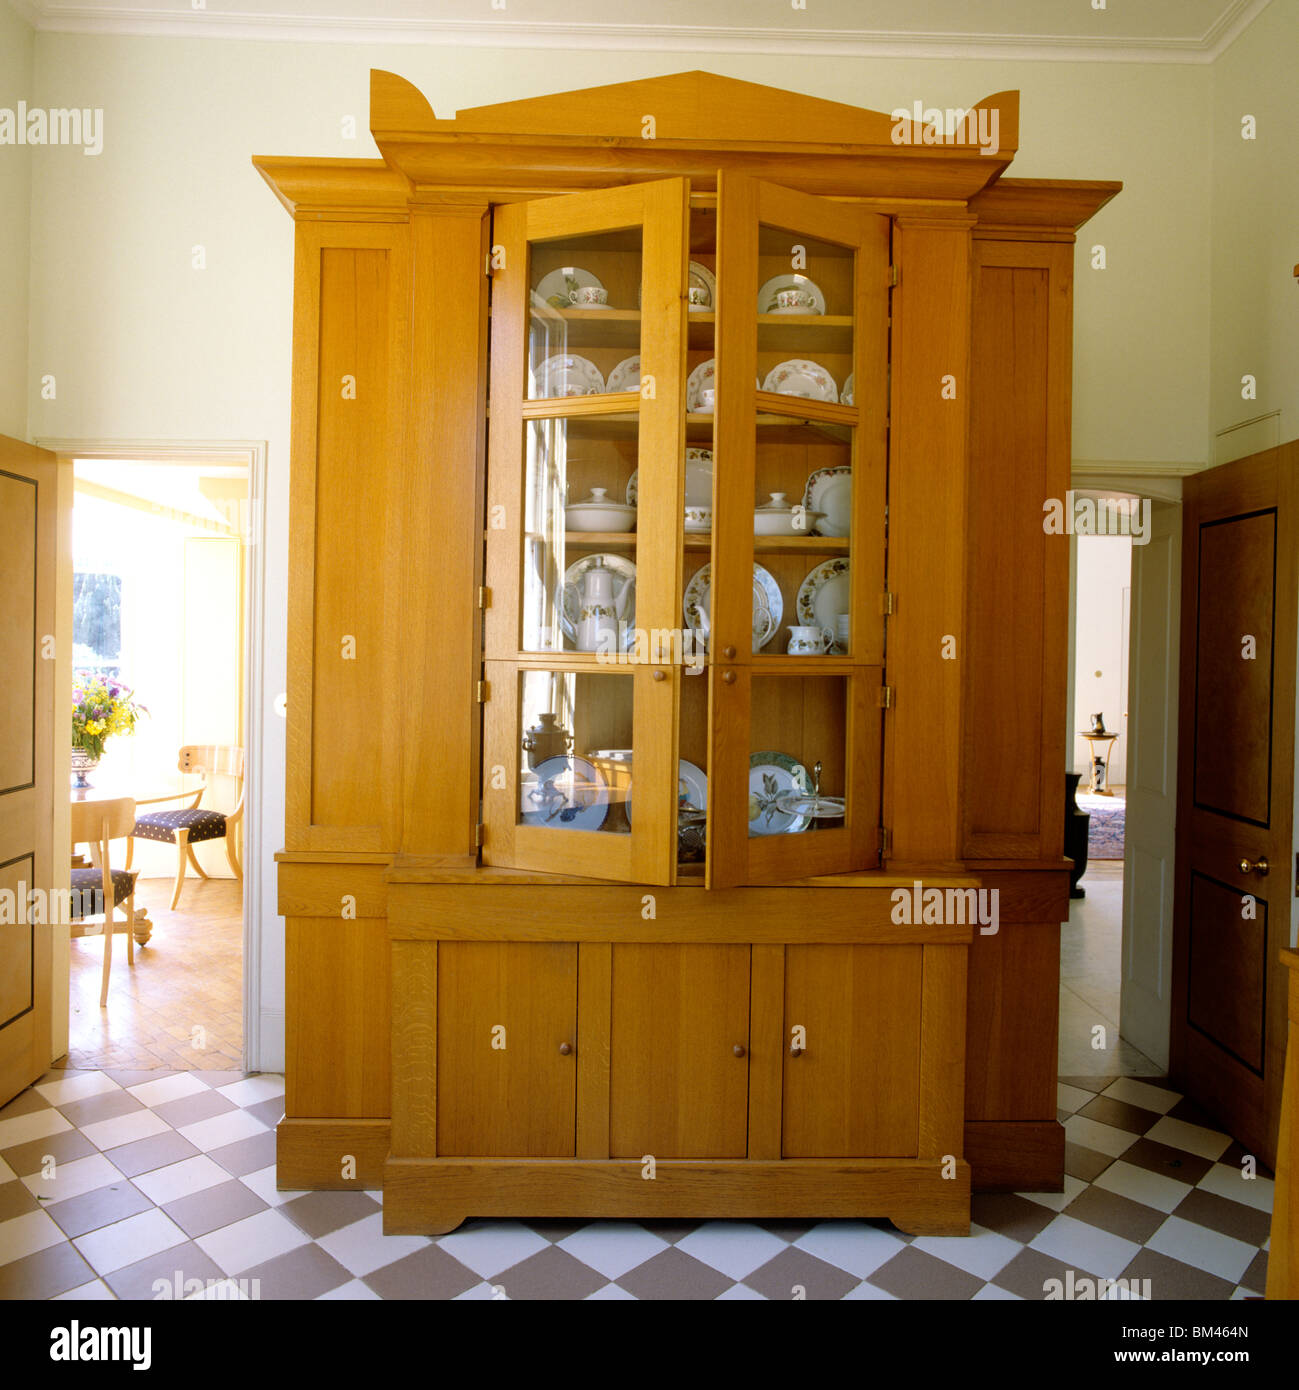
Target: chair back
{"x": 89, "y": 819}
{"x": 223, "y": 759}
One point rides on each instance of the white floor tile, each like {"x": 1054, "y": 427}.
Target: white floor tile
{"x": 610, "y": 1293}
{"x": 353, "y": 1291}
{"x": 262, "y": 1183}
{"x": 1140, "y": 1185}
{"x": 37, "y": 1124}
{"x": 219, "y": 1291}
{"x": 72, "y": 1178}
{"x": 489, "y": 1249}
{"x": 175, "y": 1087}
{"x": 252, "y": 1241}
{"x": 482, "y": 1293}
{"x": 1092, "y": 1134}
{"x": 733, "y": 1247}
{"x": 253, "y": 1089}
{"x": 1141, "y": 1093}
{"x": 125, "y": 1129}
{"x": 613, "y": 1247}
{"x": 1085, "y": 1248}
{"x": 1202, "y": 1248}
{"x": 125, "y": 1242}
{"x": 1226, "y": 1181}
{"x": 869, "y": 1293}
{"x": 851, "y": 1245}
{"x": 740, "y": 1293}
{"x": 1177, "y": 1134}
{"x": 222, "y": 1129}
{"x": 76, "y": 1086}
{"x": 983, "y": 1253}
{"x": 1071, "y": 1098}
{"x": 362, "y": 1247}
{"x": 195, "y": 1174}
{"x": 990, "y": 1293}
{"x": 1057, "y": 1201}
{"x": 24, "y": 1235}
{"x": 94, "y": 1292}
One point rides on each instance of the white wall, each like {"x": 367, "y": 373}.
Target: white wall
{"x": 17, "y": 53}
{"x": 1100, "y": 640}
{"x": 143, "y": 346}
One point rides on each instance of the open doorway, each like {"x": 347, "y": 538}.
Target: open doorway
{"x": 159, "y": 609}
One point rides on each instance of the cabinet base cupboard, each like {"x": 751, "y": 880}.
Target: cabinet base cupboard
{"x": 676, "y": 665}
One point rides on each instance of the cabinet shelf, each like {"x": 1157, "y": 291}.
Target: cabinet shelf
{"x": 794, "y": 335}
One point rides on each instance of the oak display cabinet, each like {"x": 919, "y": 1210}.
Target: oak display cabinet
{"x": 617, "y": 862}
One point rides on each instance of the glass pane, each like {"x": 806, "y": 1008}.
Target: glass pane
{"x": 584, "y": 328}
{"x": 692, "y": 770}
{"x": 579, "y": 536}
{"x": 575, "y": 738}
{"x": 797, "y": 760}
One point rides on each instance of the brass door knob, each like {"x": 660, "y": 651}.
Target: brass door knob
{"x": 738, "y": 1049}
{"x": 565, "y": 1049}
{"x": 660, "y": 675}
{"x": 729, "y": 653}
{"x": 1260, "y": 864}
{"x": 796, "y": 1051}
{"x": 728, "y": 677}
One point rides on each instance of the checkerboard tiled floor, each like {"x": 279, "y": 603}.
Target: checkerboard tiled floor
{"x": 110, "y": 1181}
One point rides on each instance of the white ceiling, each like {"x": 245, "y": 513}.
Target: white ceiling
{"x": 1124, "y": 30}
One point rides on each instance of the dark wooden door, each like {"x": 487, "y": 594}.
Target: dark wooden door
{"x": 1240, "y": 555}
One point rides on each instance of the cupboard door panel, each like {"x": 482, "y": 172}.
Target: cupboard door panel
{"x": 504, "y": 1088}
{"x": 853, "y": 1089}
{"x": 677, "y": 1087}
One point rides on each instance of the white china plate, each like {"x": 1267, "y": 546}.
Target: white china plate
{"x": 568, "y": 793}
{"x": 625, "y": 376}
{"x": 705, "y": 374}
{"x": 824, "y": 594}
{"x": 799, "y": 377}
{"x": 766, "y": 595}
{"x": 767, "y": 294}
{"x": 829, "y": 490}
{"x": 699, "y": 480}
{"x": 846, "y": 395}
{"x": 771, "y": 776}
{"x": 633, "y": 490}
{"x": 700, "y": 277}
{"x": 624, "y": 573}
{"x": 554, "y": 288}
{"x": 566, "y": 375}
{"x": 692, "y": 789}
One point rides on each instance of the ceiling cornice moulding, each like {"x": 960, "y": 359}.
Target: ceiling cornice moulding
{"x": 503, "y": 32}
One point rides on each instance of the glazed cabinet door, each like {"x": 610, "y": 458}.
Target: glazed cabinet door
{"x": 852, "y": 1051}
{"x": 585, "y": 453}
{"x": 506, "y": 1050}
{"x": 678, "y": 1055}
{"x": 798, "y": 550}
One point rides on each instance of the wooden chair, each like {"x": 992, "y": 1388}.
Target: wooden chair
{"x": 96, "y": 823}
{"x": 192, "y": 823}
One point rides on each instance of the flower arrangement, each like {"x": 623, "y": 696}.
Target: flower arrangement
{"x": 101, "y": 707}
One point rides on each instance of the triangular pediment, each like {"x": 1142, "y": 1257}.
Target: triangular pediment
{"x": 694, "y": 107}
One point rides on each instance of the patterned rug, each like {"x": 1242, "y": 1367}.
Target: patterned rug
{"x": 1105, "y": 834}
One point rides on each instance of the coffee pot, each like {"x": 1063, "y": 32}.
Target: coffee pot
{"x": 600, "y": 610}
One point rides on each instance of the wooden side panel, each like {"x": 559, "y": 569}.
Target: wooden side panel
{"x": 337, "y": 992}
{"x": 505, "y": 1087}
{"x": 414, "y": 1048}
{"x": 931, "y": 392}
{"x": 677, "y": 1087}
{"x": 853, "y": 1090}
{"x": 1013, "y": 745}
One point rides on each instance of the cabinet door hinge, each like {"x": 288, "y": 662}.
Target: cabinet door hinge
{"x": 885, "y": 698}
{"x": 893, "y": 276}
{"x": 886, "y": 840}
{"x": 484, "y": 692}
{"x": 484, "y": 596}
{"x": 887, "y": 602}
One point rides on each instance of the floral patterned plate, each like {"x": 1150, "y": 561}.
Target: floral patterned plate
{"x": 625, "y": 376}
{"x": 768, "y": 606}
{"x": 566, "y": 374}
{"x": 799, "y": 377}
{"x": 824, "y": 594}
{"x": 772, "y": 776}
{"x": 829, "y": 490}
{"x": 555, "y": 287}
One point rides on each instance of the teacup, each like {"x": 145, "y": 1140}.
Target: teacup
{"x": 699, "y": 519}
{"x": 698, "y": 297}
{"x": 794, "y": 299}
{"x": 588, "y": 297}
{"x": 809, "y": 641}
{"x": 707, "y": 400}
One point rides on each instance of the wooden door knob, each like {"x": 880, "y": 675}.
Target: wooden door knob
{"x": 796, "y": 1051}
{"x": 738, "y": 1049}
{"x": 1260, "y": 864}
{"x": 729, "y": 653}
{"x": 660, "y": 675}
{"x": 729, "y": 677}
{"x": 565, "y": 1049}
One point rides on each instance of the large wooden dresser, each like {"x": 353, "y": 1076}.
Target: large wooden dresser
{"x": 637, "y": 958}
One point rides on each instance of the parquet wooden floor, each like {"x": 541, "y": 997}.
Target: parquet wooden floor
{"x": 181, "y": 1007}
